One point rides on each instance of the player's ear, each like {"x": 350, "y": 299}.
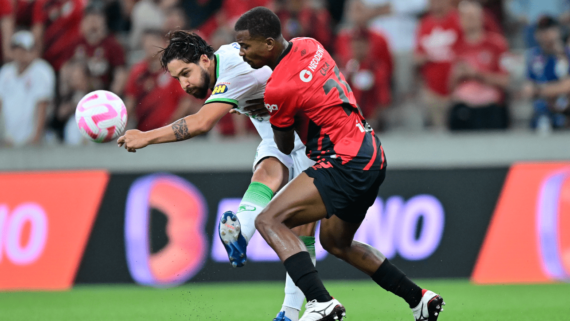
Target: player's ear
{"x": 205, "y": 60}
{"x": 270, "y": 43}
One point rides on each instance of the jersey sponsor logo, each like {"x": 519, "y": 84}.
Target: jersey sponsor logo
{"x": 271, "y": 108}
{"x": 306, "y": 75}
{"x": 220, "y": 89}
{"x": 316, "y": 59}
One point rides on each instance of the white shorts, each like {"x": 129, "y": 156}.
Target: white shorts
{"x": 296, "y": 163}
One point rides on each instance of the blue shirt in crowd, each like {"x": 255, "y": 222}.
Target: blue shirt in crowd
{"x": 544, "y": 68}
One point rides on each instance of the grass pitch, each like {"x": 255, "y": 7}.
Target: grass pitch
{"x": 261, "y": 301}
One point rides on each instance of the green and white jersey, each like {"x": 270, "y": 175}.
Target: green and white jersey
{"x": 237, "y": 82}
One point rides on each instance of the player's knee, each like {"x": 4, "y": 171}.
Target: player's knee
{"x": 262, "y": 222}
{"x": 271, "y": 173}
{"x": 333, "y": 248}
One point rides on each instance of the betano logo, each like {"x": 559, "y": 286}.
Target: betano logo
{"x": 220, "y": 89}
{"x": 391, "y": 226}
{"x": 186, "y": 250}
{"x": 528, "y": 239}
{"x": 45, "y": 221}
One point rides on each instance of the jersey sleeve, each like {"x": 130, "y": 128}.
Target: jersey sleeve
{"x": 231, "y": 91}
{"x": 283, "y": 110}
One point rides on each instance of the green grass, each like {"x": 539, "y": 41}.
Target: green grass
{"x": 261, "y": 301}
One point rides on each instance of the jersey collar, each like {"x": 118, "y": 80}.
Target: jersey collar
{"x": 217, "y": 59}
{"x": 287, "y": 50}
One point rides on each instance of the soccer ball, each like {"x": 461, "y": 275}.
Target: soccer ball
{"x": 101, "y": 116}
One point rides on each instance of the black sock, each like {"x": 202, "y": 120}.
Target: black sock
{"x": 390, "y": 278}
{"x": 303, "y": 273}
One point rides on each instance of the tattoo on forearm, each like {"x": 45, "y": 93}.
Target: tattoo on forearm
{"x": 180, "y": 130}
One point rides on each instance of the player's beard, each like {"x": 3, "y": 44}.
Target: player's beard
{"x": 202, "y": 90}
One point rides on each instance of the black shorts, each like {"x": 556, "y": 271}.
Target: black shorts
{"x": 347, "y": 193}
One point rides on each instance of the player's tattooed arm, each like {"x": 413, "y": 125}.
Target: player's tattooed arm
{"x": 181, "y": 130}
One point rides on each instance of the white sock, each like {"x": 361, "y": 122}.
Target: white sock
{"x": 294, "y": 297}
{"x": 253, "y": 202}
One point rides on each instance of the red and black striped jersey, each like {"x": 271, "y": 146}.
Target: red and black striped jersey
{"x": 307, "y": 92}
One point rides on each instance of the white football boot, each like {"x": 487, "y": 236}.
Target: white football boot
{"x": 429, "y": 307}
{"x": 324, "y": 311}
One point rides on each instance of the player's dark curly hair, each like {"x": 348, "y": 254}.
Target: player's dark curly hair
{"x": 185, "y": 46}
{"x": 260, "y": 22}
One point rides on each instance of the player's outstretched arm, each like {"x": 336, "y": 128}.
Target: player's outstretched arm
{"x": 185, "y": 128}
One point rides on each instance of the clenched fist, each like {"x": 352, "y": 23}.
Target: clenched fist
{"x": 132, "y": 140}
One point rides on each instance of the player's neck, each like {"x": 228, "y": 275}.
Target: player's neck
{"x": 280, "y": 47}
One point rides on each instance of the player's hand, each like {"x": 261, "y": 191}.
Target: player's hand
{"x": 256, "y": 107}
{"x": 132, "y": 140}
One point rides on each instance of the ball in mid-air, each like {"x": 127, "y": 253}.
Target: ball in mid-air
{"x": 101, "y": 116}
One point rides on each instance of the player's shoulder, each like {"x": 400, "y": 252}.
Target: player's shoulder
{"x": 301, "y": 54}
{"x": 229, "y": 59}
{"x": 229, "y": 49}
{"x": 305, "y": 43}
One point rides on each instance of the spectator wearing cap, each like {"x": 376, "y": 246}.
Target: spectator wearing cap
{"x": 102, "y": 53}
{"x": 27, "y": 88}
{"x": 548, "y": 81}
{"x": 478, "y": 81}
{"x": 7, "y": 26}
{"x": 55, "y": 28}
{"x": 152, "y": 97}
{"x": 438, "y": 33}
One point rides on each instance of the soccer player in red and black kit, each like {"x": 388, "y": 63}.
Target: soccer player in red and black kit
{"x": 307, "y": 92}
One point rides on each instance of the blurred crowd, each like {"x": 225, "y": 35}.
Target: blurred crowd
{"x": 438, "y": 65}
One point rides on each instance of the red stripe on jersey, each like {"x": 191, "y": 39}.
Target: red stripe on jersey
{"x": 320, "y": 144}
{"x": 382, "y": 150}
{"x": 373, "y": 158}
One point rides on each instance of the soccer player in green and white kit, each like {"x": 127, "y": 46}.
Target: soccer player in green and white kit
{"x": 235, "y": 85}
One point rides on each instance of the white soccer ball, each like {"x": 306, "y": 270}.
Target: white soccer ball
{"x": 101, "y": 116}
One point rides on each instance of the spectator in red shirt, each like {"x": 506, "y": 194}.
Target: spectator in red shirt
{"x": 369, "y": 78}
{"x": 7, "y": 26}
{"x": 152, "y": 97}
{"x": 300, "y": 18}
{"x": 438, "y": 32}
{"x": 377, "y": 43}
{"x": 55, "y": 27}
{"x": 478, "y": 82}
{"x": 104, "y": 56}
